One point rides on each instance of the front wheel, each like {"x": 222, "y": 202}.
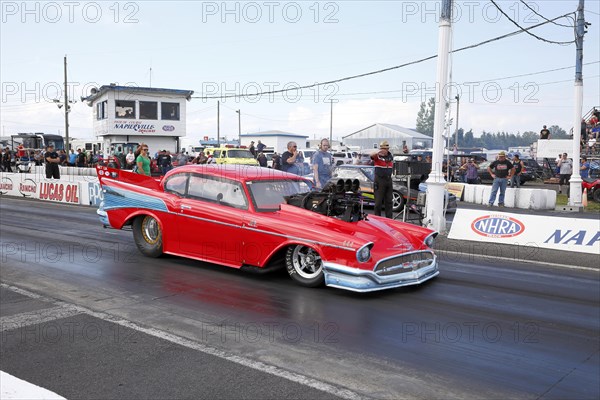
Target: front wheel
{"x": 597, "y": 195}
{"x": 148, "y": 236}
{"x": 304, "y": 265}
{"x": 397, "y": 201}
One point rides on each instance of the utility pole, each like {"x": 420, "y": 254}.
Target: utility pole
{"x": 218, "y": 123}
{"x": 456, "y": 133}
{"x": 239, "y": 113}
{"x": 575, "y": 197}
{"x": 435, "y": 218}
{"x": 67, "y": 109}
{"x": 331, "y": 123}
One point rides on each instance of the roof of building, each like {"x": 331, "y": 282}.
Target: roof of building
{"x": 397, "y": 128}
{"x": 95, "y": 93}
{"x": 273, "y": 133}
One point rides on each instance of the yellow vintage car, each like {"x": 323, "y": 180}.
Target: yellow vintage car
{"x": 233, "y": 155}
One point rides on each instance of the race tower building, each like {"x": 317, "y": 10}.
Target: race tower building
{"x": 125, "y": 116}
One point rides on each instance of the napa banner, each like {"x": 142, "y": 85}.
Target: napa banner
{"x": 558, "y": 233}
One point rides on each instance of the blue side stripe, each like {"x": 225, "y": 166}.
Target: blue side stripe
{"x": 115, "y": 198}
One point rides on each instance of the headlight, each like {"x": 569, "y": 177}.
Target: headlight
{"x": 430, "y": 240}
{"x": 364, "y": 253}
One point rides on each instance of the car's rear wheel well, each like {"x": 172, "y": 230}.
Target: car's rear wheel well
{"x": 277, "y": 259}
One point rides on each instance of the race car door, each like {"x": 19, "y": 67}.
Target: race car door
{"x": 211, "y": 217}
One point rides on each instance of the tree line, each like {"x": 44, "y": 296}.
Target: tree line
{"x": 489, "y": 140}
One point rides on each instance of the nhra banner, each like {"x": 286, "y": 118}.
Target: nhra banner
{"x": 558, "y": 233}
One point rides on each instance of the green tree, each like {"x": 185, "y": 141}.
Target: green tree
{"x": 425, "y": 117}
{"x": 556, "y": 132}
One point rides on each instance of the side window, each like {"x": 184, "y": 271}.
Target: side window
{"x": 169, "y": 111}
{"x": 124, "y": 109}
{"x": 148, "y": 110}
{"x": 177, "y": 184}
{"x": 216, "y": 190}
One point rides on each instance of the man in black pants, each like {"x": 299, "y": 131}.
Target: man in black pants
{"x": 384, "y": 165}
{"x": 52, "y": 161}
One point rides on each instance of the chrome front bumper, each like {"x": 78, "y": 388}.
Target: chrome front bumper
{"x": 357, "y": 280}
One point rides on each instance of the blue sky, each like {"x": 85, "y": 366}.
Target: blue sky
{"x": 233, "y": 47}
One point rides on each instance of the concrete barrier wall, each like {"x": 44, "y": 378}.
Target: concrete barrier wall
{"x": 70, "y": 189}
{"x": 535, "y": 199}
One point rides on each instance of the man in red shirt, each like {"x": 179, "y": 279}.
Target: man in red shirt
{"x": 20, "y": 151}
{"x": 384, "y": 165}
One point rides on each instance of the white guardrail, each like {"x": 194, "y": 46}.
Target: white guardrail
{"x": 76, "y": 186}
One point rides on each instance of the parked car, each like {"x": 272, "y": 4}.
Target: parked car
{"x": 237, "y": 216}
{"x": 366, "y": 176}
{"x": 483, "y": 176}
{"x": 343, "y": 157}
{"x": 232, "y": 155}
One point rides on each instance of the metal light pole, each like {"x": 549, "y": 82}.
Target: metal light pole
{"x": 331, "y": 123}
{"x": 239, "y": 127}
{"x": 435, "y": 183}
{"x": 575, "y": 198}
{"x": 218, "y": 123}
{"x": 66, "y": 111}
{"x": 456, "y": 133}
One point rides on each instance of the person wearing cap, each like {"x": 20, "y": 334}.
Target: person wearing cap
{"x": 322, "y": 163}
{"x": 501, "y": 171}
{"x": 565, "y": 169}
{"x": 544, "y": 133}
{"x": 252, "y": 149}
{"x": 52, "y": 161}
{"x": 470, "y": 168}
{"x": 383, "y": 186}
{"x": 164, "y": 161}
{"x": 260, "y": 147}
{"x": 584, "y": 168}
{"x": 515, "y": 181}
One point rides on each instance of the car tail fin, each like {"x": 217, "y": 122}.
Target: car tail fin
{"x": 126, "y": 176}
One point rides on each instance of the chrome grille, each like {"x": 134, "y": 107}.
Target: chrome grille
{"x": 404, "y": 263}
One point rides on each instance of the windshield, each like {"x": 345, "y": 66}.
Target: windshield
{"x": 309, "y": 153}
{"x": 235, "y": 153}
{"x": 268, "y": 195}
{"x": 369, "y": 172}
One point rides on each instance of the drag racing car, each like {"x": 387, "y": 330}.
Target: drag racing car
{"x": 259, "y": 219}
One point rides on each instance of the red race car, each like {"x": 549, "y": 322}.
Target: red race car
{"x": 259, "y": 219}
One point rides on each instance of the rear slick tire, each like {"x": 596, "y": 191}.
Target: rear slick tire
{"x": 147, "y": 236}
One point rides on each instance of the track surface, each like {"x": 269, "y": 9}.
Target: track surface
{"x": 478, "y": 330}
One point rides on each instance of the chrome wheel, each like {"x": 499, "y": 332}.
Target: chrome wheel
{"x": 304, "y": 265}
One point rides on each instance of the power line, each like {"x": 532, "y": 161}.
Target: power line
{"x": 540, "y": 15}
{"x": 527, "y": 30}
{"x": 381, "y": 70}
{"x": 470, "y": 82}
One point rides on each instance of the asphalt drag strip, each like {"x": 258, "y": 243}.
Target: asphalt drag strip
{"x": 78, "y": 353}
